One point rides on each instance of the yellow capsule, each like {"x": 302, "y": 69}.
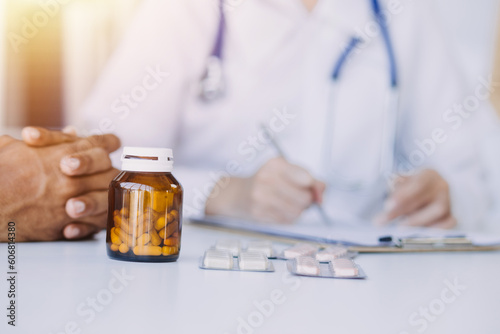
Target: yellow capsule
{"x": 123, "y": 248}
{"x": 166, "y": 250}
{"x": 115, "y": 239}
{"x": 155, "y": 238}
{"x": 171, "y": 242}
{"x": 125, "y": 226}
{"x": 118, "y": 220}
{"x": 122, "y": 223}
{"x": 124, "y": 212}
{"x": 147, "y": 250}
{"x": 124, "y": 236}
{"x": 162, "y": 200}
{"x": 147, "y": 216}
{"x": 155, "y": 215}
{"x": 114, "y": 247}
{"x": 135, "y": 206}
{"x": 143, "y": 227}
{"x": 168, "y": 231}
{"x": 143, "y": 239}
{"x": 170, "y": 218}
{"x": 160, "y": 223}
{"x": 159, "y": 201}
{"x": 146, "y": 198}
{"x": 172, "y": 228}
{"x": 175, "y": 213}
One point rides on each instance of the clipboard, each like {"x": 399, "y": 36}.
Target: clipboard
{"x": 387, "y": 241}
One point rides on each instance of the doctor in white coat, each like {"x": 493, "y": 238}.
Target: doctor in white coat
{"x": 359, "y": 94}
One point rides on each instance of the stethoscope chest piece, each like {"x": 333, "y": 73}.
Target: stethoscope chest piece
{"x": 212, "y": 85}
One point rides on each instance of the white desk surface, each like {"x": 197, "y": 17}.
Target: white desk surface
{"x": 55, "y": 279}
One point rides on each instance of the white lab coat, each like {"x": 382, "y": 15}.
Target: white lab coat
{"x": 277, "y": 63}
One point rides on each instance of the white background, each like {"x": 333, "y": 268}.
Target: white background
{"x": 472, "y": 27}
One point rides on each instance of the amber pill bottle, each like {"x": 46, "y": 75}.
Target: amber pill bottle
{"x": 145, "y": 208}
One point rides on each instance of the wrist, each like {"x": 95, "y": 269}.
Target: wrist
{"x": 230, "y": 200}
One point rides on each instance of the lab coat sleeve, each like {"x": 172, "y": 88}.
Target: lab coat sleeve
{"x": 141, "y": 93}
{"x": 441, "y": 114}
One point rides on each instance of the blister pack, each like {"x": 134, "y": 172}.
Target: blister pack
{"x": 321, "y": 254}
{"x": 245, "y": 261}
{"x": 235, "y": 247}
{"x": 337, "y": 268}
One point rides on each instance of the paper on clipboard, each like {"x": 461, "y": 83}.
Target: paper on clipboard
{"x": 358, "y": 236}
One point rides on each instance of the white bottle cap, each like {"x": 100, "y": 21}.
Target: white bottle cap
{"x": 144, "y": 159}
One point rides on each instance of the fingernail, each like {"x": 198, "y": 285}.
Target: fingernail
{"x": 71, "y": 232}
{"x": 71, "y": 163}
{"x": 70, "y": 130}
{"x": 77, "y": 207}
{"x": 32, "y": 133}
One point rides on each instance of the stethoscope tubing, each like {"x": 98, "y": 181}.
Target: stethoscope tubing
{"x": 391, "y": 112}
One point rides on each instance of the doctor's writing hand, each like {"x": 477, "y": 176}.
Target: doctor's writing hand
{"x": 422, "y": 199}
{"x": 278, "y": 193}
{"x": 45, "y": 203}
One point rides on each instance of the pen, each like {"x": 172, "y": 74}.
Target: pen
{"x": 326, "y": 220}
{"x": 437, "y": 241}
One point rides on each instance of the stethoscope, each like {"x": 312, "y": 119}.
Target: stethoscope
{"x": 212, "y": 87}
{"x": 212, "y": 84}
{"x": 390, "y": 117}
